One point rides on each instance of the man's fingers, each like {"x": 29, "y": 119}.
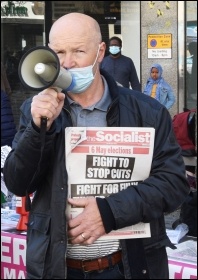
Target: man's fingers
{"x": 78, "y": 202}
{"x": 47, "y": 103}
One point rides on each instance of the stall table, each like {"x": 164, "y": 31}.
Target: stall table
{"x": 13, "y": 258}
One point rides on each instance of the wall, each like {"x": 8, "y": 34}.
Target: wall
{"x": 158, "y": 18}
{"x": 130, "y": 30}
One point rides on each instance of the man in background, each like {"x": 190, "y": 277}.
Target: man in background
{"x": 5, "y": 86}
{"x": 120, "y": 66}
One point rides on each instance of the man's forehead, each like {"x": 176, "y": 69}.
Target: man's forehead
{"x": 74, "y": 42}
{"x": 70, "y": 37}
{"x": 114, "y": 42}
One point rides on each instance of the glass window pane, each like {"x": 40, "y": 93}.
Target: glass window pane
{"x": 191, "y": 54}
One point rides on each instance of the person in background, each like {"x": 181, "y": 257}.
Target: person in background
{"x": 5, "y": 86}
{"x": 192, "y": 47}
{"x": 8, "y": 131}
{"x": 120, "y": 66}
{"x": 60, "y": 248}
{"x": 158, "y": 88}
{"x": 8, "y": 127}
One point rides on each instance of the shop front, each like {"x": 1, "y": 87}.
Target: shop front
{"x": 26, "y": 24}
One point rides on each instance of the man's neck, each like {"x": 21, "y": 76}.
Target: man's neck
{"x": 115, "y": 56}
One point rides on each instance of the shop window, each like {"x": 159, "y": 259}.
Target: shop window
{"x": 22, "y": 27}
{"x": 191, "y": 54}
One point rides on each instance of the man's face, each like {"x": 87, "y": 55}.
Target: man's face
{"x": 76, "y": 40}
{"x": 73, "y": 44}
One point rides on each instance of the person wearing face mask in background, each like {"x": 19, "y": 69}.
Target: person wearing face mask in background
{"x": 61, "y": 248}
{"x": 120, "y": 66}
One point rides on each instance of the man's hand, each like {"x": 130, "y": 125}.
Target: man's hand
{"x": 88, "y": 225}
{"x": 47, "y": 103}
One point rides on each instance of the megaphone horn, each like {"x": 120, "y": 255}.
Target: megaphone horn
{"x": 39, "y": 68}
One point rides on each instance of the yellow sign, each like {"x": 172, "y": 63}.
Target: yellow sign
{"x": 159, "y": 41}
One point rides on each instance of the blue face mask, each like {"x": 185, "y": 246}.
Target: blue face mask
{"x": 114, "y": 49}
{"x": 82, "y": 77}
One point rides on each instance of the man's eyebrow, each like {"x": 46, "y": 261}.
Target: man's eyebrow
{"x": 61, "y": 48}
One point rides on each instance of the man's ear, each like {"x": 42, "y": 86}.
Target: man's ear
{"x": 102, "y": 51}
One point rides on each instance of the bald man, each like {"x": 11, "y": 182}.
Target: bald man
{"x": 58, "y": 248}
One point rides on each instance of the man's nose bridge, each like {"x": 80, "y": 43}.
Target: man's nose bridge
{"x": 68, "y": 60}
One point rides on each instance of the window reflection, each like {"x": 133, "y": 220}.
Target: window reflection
{"x": 191, "y": 55}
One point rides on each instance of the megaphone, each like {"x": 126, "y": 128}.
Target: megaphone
{"x": 39, "y": 68}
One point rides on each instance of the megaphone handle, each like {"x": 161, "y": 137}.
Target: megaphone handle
{"x": 43, "y": 122}
{"x": 45, "y": 119}
{"x": 57, "y": 89}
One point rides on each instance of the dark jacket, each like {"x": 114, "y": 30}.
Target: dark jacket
{"x": 122, "y": 70}
{"x": 8, "y": 128}
{"x": 163, "y": 191}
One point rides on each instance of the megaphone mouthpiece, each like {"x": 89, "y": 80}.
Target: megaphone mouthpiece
{"x": 45, "y": 71}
